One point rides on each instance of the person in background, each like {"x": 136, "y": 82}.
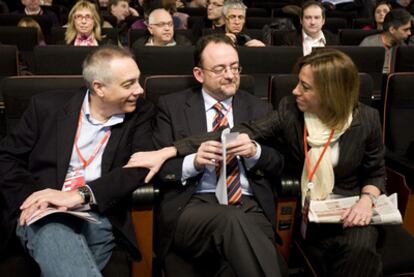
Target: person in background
{"x": 380, "y": 11}
{"x": 197, "y": 4}
{"x": 84, "y": 26}
{"x": 161, "y": 29}
{"x": 311, "y": 35}
{"x": 396, "y": 29}
{"x": 213, "y": 20}
{"x": 234, "y": 12}
{"x": 121, "y": 10}
{"x": 32, "y": 7}
{"x": 31, "y": 23}
{"x": 180, "y": 19}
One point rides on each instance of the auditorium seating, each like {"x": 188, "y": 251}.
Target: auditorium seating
{"x": 282, "y": 85}
{"x": 24, "y": 38}
{"x": 59, "y": 59}
{"x": 253, "y": 33}
{"x": 354, "y": 36}
{"x": 158, "y": 85}
{"x": 135, "y": 34}
{"x": 399, "y": 134}
{"x": 57, "y": 35}
{"x": 11, "y": 19}
{"x": 359, "y": 23}
{"x": 334, "y": 24}
{"x": 403, "y": 59}
{"x": 262, "y": 62}
{"x": 8, "y": 58}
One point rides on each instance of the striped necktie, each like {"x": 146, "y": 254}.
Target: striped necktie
{"x": 232, "y": 167}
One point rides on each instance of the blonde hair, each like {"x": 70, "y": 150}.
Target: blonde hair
{"x": 29, "y": 22}
{"x": 71, "y": 32}
{"x": 336, "y": 81}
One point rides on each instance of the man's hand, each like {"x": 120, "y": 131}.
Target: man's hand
{"x": 242, "y": 146}
{"x": 254, "y": 43}
{"x": 359, "y": 214}
{"x": 209, "y": 153}
{"x": 42, "y": 199}
{"x": 153, "y": 160}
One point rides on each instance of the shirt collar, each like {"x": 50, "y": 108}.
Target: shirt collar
{"x": 150, "y": 42}
{"x": 113, "y": 120}
{"x": 321, "y": 37}
{"x": 210, "y": 101}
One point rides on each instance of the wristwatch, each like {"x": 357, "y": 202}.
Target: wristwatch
{"x": 371, "y": 196}
{"x": 85, "y": 192}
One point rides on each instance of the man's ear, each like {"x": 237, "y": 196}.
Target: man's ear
{"x": 198, "y": 74}
{"x": 149, "y": 28}
{"x": 98, "y": 88}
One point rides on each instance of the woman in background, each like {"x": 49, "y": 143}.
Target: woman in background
{"x": 84, "y": 26}
{"x": 380, "y": 11}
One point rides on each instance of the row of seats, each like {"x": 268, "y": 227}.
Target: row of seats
{"x": 18, "y": 90}
{"x": 260, "y": 62}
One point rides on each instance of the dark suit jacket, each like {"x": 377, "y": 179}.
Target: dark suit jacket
{"x": 37, "y": 153}
{"x": 183, "y": 114}
{"x": 361, "y": 154}
{"x": 295, "y": 38}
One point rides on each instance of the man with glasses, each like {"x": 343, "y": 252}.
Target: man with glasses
{"x": 161, "y": 29}
{"x": 235, "y": 236}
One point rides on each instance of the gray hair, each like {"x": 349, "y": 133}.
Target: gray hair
{"x": 233, "y": 4}
{"x": 96, "y": 66}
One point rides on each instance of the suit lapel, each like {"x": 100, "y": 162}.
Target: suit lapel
{"x": 67, "y": 123}
{"x": 195, "y": 113}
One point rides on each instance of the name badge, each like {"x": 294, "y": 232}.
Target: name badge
{"x": 74, "y": 178}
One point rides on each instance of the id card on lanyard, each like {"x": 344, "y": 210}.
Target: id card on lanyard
{"x": 76, "y": 176}
{"x": 311, "y": 184}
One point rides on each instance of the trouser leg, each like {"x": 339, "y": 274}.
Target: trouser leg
{"x": 57, "y": 244}
{"x": 238, "y": 236}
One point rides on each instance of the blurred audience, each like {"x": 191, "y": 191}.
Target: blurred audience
{"x": 380, "y": 11}
{"x": 234, "y": 13}
{"x": 311, "y": 35}
{"x": 32, "y": 7}
{"x": 29, "y": 22}
{"x": 161, "y": 31}
{"x": 397, "y": 28}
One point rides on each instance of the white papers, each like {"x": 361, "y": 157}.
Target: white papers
{"x": 336, "y": 2}
{"x": 42, "y": 213}
{"x": 330, "y": 211}
{"x": 221, "y": 189}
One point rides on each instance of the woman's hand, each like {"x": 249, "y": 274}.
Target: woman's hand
{"x": 153, "y": 160}
{"x": 359, "y": 214}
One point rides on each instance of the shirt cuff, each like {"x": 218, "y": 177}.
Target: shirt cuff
{"x": 93, "y": 199}
{"x": 188, "y": 169}
{"x": 250, "y": 162}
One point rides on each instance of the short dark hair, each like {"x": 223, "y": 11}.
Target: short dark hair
{"x": 205, "y": 40}
{"x": 312, "y": 3}
{"x": 396, "y": 18}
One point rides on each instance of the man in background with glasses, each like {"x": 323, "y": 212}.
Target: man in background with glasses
{"x": 161, "y": 29}
{"x": 237, "y": 237}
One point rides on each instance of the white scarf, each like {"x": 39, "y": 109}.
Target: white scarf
{"x": 324, "y": 178}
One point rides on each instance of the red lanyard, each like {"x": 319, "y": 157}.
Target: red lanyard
{"x": 305, "y": 143}
{"x": 97, "y": 148}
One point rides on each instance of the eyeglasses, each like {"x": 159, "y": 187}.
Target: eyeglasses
{"x": 163, "y": 24}
{"x": 80, "y": 17}
{"x": 214, "y": 4}
{"x": 221, "y": 70}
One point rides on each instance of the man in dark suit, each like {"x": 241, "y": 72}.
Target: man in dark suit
{"x": 240, "y": 232}
{"x": 311, "y": 35}
{"x": 68, "y": 152}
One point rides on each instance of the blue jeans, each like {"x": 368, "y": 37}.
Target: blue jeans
{"x": 64, "y": 245}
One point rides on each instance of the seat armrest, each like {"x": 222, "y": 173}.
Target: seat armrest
{"x": 144, "y": 195}
{"x": 289, "y": 187}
